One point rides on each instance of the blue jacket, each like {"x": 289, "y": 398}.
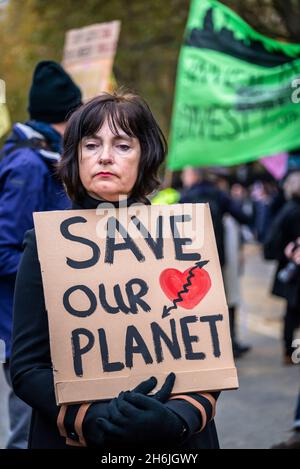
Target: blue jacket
{"x": 27, "y": 185}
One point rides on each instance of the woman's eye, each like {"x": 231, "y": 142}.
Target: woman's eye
{"x": 124, "y": 147}
{"x": 91, "y": 146}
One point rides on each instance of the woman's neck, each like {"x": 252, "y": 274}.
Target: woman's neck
{"x": 88, "y": 201}
{"x": 113, "y": 199}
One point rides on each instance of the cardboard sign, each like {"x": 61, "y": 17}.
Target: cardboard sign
{"x": 4, "y": 120}
{"x": 89, "y": 55}
{"x": 132, "y": 293}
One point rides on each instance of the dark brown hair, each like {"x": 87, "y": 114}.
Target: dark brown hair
{"x": 123, "y": 110}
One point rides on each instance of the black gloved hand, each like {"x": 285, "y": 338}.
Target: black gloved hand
{"x": 164, "y": 394}
{"x": 138, "y": 419}
{"x": 94, "y": 435}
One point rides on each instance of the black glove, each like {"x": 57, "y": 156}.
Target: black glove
{"x": 93, "y": 435}
{"x": 91, "y": 430}
{"x": 138, "y": 419}
{"x": 164, "y": 394}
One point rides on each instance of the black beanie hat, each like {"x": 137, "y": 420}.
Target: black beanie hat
{"x": 53, "y": 94}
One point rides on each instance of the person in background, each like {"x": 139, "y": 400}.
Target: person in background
{"x": 294, "y": 441}
{"x": 28, "y": 184}
{"x": 280, "y": 243}
{"x": 263, "y": 196}
{"x": 202, "y": 186}
{"x": 233, "y": 269}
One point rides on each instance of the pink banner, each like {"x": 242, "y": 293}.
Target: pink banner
{"x": 276, "y": 165}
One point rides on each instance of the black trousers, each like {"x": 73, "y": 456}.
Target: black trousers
{"x": 291, "y": 323}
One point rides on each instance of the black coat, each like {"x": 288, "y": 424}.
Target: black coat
{"x": 31, "y": 367}
{"x": 284, "y": 230}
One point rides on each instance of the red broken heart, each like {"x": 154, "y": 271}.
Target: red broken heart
{"x": 172, "y": 281}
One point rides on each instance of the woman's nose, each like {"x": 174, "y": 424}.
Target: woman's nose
{"x": 105, "y": 156}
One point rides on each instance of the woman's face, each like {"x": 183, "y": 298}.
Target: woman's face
{"x": 108, "y": 164}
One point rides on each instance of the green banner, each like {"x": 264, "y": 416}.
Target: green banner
{"x": 237, "y": 92}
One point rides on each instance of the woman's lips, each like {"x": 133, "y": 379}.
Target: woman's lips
{"x": 105, "y": 174}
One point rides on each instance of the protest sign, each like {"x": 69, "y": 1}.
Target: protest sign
{"x": 132, "y": 293}
{"x": 89, "y": 55}
{"x": 4, "y": 120}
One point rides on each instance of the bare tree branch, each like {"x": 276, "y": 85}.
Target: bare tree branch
{"x": 274, "y": 18}
{"x": 289, "y": 11}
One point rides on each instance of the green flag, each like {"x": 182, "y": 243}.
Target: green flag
{"x": 237, "y": 92}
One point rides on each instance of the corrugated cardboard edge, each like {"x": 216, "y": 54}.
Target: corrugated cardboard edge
{"x": 87, "y": 388}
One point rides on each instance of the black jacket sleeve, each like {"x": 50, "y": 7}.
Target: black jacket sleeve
{"x": 189, "y": 413}
{"x": 276, "y": 239}
{"x": 31, "y": 367}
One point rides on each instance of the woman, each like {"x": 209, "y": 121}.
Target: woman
{"x": 113, "y": 148}
{"x": 293, "y": 442}
{"x": 279, "y": 245}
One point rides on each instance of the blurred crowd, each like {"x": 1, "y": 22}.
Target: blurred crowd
{"x": 248, "y": 207}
